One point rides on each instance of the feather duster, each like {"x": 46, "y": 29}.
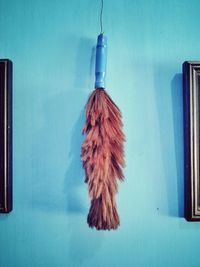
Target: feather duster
{"x": 103, "y": 156}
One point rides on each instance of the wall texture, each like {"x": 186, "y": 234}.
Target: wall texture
{"x": 51, "y": 44}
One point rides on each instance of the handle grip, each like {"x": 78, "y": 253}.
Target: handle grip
{"x": 101, "y": 60}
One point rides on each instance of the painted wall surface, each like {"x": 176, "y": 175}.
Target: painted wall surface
{"x": 51, "y": 44}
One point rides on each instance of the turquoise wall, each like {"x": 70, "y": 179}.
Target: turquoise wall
{"x": 51, "y": 44}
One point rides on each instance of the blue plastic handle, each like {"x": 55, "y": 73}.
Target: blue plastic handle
{"x": 101, "y": 59}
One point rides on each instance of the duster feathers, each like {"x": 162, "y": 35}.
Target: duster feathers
{"x": 103, "y": 158}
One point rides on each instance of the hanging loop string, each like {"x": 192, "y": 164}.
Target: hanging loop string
{"x": 101, "y": 17}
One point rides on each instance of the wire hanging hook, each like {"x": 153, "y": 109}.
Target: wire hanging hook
{"x": 101, "y": 16}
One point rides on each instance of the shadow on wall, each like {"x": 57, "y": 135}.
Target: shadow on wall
{"x": 170, "y": 116}
{"x": 74, "y": 175}
{"x": 55, "y": 147}
{"x": 57, "y": 143}
{"x": 80, "y": 250}
{"x": 5, "y": 216}
{"x": 177, "y": 105}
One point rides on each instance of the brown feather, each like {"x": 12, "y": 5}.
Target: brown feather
{"x": 103, "y": 158}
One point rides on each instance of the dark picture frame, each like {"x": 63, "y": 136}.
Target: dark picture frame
{"x": 191, "y": 98}
{"x": 5, "y": 135}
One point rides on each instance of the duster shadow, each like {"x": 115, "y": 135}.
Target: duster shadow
{"x": 74, "y": 175}
{"x": 74, "y": 178}
{"x": 80, "y": 250}
{"x": 56, "y": 136}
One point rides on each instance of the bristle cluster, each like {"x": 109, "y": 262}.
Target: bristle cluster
{"x": 103, "y": 158}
